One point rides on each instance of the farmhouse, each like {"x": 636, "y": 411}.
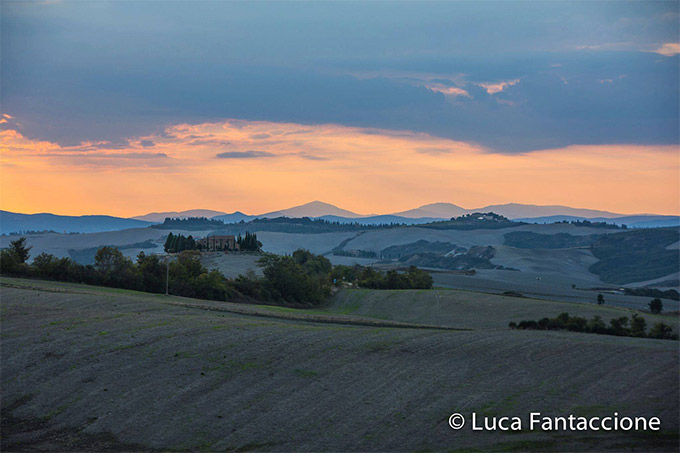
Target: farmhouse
{"x": 218, "y": 242}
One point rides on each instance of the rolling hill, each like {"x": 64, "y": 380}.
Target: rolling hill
{"x": 312, "y": 209}
{"x": 436, "y": 210}
{"x": 14, "y": 222}
{"x": 93, "y": 369}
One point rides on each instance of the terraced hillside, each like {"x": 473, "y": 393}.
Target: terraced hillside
{"x": 88, "y": 368}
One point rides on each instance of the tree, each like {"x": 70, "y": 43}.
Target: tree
{"x": 638, "y": 326}
{"x": 168, "y": 243}
{"x": 152, "y": 272}
{"x": 249, "y": 242}
{"x": 662, "y": 331}
{"x": 116, "y": 269}
{"x": 20, "y": 250}
{"x": 419, "y": 278}
{"x": 13, "y": 259}
{"x": 596, "y": 325}
{"x": 600, "y": 299}
{"x": 656, "y": 306}
{"x": 619, "y": 326}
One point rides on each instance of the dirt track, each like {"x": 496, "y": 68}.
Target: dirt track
{"x": 115, "y": 369}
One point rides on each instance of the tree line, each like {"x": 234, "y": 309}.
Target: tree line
{"x": 175, "y": 243}
{"x": 622, "y": 326}
{"x": 302, "y": 279}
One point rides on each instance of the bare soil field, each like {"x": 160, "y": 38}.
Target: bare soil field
{"x": 87, "y": 368}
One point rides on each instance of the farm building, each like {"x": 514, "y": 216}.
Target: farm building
{"x": 218, "y": 242}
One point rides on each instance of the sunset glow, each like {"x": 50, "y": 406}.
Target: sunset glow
{"x": 259, "y": 166}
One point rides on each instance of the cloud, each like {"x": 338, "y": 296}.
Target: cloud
{"x": 308, "y": 156}
{"x": 245, "y": 155}
{"x": 86, "y": 73}
{"x": 668, "y": 49}
{"x": 497, "y": 87}
{"x": 260, "y": 136}
{"x": 209, "y": 142}
{"x": 448, "y": 90}
{"x": 146, "y": 143}
{"x": 113, "y": 155}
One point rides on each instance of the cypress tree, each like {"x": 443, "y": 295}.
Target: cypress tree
{"x": 168, "y": 243}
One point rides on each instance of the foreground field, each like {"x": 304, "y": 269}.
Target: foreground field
{"x": 89, "y": 368}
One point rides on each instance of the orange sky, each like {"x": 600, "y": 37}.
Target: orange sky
{"x": 268, "y": 166}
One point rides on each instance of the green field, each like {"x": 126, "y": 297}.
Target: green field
{"x": 87, "y": 368}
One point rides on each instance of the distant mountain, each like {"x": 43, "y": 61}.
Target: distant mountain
{"x": 313, "y": 209}
{"x": 636, "y": 221}
{"x": 517, "y": 211}
{"x": 434, "y": 210}
{"x": 235, "y": 217}
{"x": 510, "y": 210}
{"x": 379, "y": 219}
{"x": 13, "y": 222}
{"x": 160, "y": 216}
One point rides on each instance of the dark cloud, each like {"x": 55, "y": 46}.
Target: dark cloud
{"x": 108, "y": 155}
{"x": 245, "y": 155}
{"x": 147, "y": 143}
{"x": 209, "y": 142}
{"x": 311, "y": 156}
{"x": 71, "y": 73}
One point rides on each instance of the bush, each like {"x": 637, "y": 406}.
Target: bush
{"x": 299, "y": 279}
{"x": 618, "y": 326}
{"x": 662, "y": 331}
{"x": 656, "y": 306}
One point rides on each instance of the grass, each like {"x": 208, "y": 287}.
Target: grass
{"x": 306, "y": 373}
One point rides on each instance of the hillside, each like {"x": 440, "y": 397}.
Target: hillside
{"x": 90, "y": 369}
{"x": 13, "y": 222}
{"x": 312, "y": 209}
{"x": 636, "y": 255}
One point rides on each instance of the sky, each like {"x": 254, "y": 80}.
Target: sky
{"x": 124, "y": 108}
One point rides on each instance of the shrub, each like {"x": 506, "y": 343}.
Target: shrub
{"x": 618, "y": 326}
{"x": 656, "y": 306}
{"x": 662, "y": 331}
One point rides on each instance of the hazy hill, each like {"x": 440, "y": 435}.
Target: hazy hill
{"x": 636, "y": 221}
{"x": 313, "y": 209}
{"x": 13, "y": 222}
{"x": 517, "y": 210}
{"x": 435, "y": 210}
{"x": 234, "y": 217}
{"x": 160, "y": 216}
{"x": 428, "y": 212}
